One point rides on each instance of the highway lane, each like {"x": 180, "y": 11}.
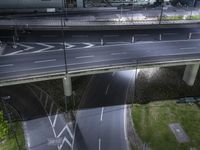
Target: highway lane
{"x": 101, "y": 119}
{"x": 39, "y": 41}
{"x": 97, "y": 57}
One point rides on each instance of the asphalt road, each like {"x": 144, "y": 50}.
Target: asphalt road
{"x": 101, "y": 118}
{"x": 40, "y": 41}
{"x": 45, "y": 127}
{"x": 31, "y": 64}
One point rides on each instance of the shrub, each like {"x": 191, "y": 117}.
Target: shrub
{"x": 4, "y": 129}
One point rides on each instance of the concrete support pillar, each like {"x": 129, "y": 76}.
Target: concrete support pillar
{"x": 190, "y": 74}
{"x": 79, "y": 3}
{"x": 67, "y": 86}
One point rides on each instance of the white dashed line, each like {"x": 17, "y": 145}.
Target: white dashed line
{"x": 8, "y": 65}
{"x": 99, "y": 144}
{"x": 75, "y": 36}
{"x": 85, "y": 57}
{"x": 110, "y": 35}
{"x": 123, "y": 53}
{"x": 43, "y": 61}
{"x": 107, "y": 89}
{"x": 101, "y": 118}
{"x": 184, "y": 48}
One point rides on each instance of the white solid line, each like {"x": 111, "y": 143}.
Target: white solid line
{"x": 188, "y": 48}
{"x": 101, "y": 118}
{"x": 88, "y": 45}
{"x": 195, "y": 32}
{"x": 125, "y": 127}
{"x": 99, "y": 143}
{"x": 107, "y": 89}
{"x": 55, "y": 119}
{"x": 80, "y": 57}
{"x": 8, "y": 65}
{"x": 42, "y": 61}
{"x": 16, "y": 52}
{"x": 123, "y": 53}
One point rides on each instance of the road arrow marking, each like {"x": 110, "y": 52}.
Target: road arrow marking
{"x": 27, "y": 47}
{"x": 65, "y": 140}
{"x": 67, "y": 45}
{"x": 88, "y": 45}
{"x": 44, "y": 49}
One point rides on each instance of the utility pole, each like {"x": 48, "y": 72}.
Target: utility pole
{"x": 161, "y": 13}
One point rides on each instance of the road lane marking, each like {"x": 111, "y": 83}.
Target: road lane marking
{"x": 107, "y": 89}
{"x": 44, "y": 49}
{"x": 123, "y": 53}
{"x": 141, "y": 34}
{"x": 113, "y": 74}
{"x": 27, "y": 48}
{"x": 80, "y": 57}
{"x": 55, "y": 119}
{"x": 8, "y": 65}
{"x": 75, "y": 36}
{"x": 43, "y": 61}
{"x": 51, "y": 108}
{"x": 110, "y": 35}
{"x": 99, "y": 143}
{"x": 63, "y": 142}
{"x": 45, "y": 35}
{"x": 184, "y": 48}
{"x": 16, "y": 52}
{"x": 88, "y": 45}
{"x": 68, "y": 130}
{"x": 195, "y": 32}
{"x": 67, "y": 45}
{"x": 125, "y": 120}
{"x": 101, "y": 118}
{"x": 170, "y": 33}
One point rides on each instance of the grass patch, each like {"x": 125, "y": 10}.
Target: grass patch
{"x": 151, "y": 122}
{"x": 10, "y": 142}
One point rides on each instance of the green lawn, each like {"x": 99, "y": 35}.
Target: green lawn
{"x": 151, "y": 123}
{"x": 10, "y": 143}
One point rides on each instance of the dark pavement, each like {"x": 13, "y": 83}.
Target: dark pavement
{"x": 101, "y": 119}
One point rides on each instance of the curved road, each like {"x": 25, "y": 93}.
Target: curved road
{"x": 101, "y": 119}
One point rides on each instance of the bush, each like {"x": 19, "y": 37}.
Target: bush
{"x": 3, "y": 127}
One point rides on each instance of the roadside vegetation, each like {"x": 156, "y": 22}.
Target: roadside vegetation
{"x": 151, "y": 122}
{"x": 7, "y": 138}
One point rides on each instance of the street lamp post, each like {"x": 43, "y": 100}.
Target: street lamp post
{"x": 161, "y": 13}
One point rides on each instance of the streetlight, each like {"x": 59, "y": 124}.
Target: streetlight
{"x": 161, "y": 13}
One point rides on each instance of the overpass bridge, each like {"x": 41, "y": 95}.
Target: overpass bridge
{"x": 31, "y": 67}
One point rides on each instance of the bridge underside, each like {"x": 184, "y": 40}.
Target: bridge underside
{"x": 74, "y": 73}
